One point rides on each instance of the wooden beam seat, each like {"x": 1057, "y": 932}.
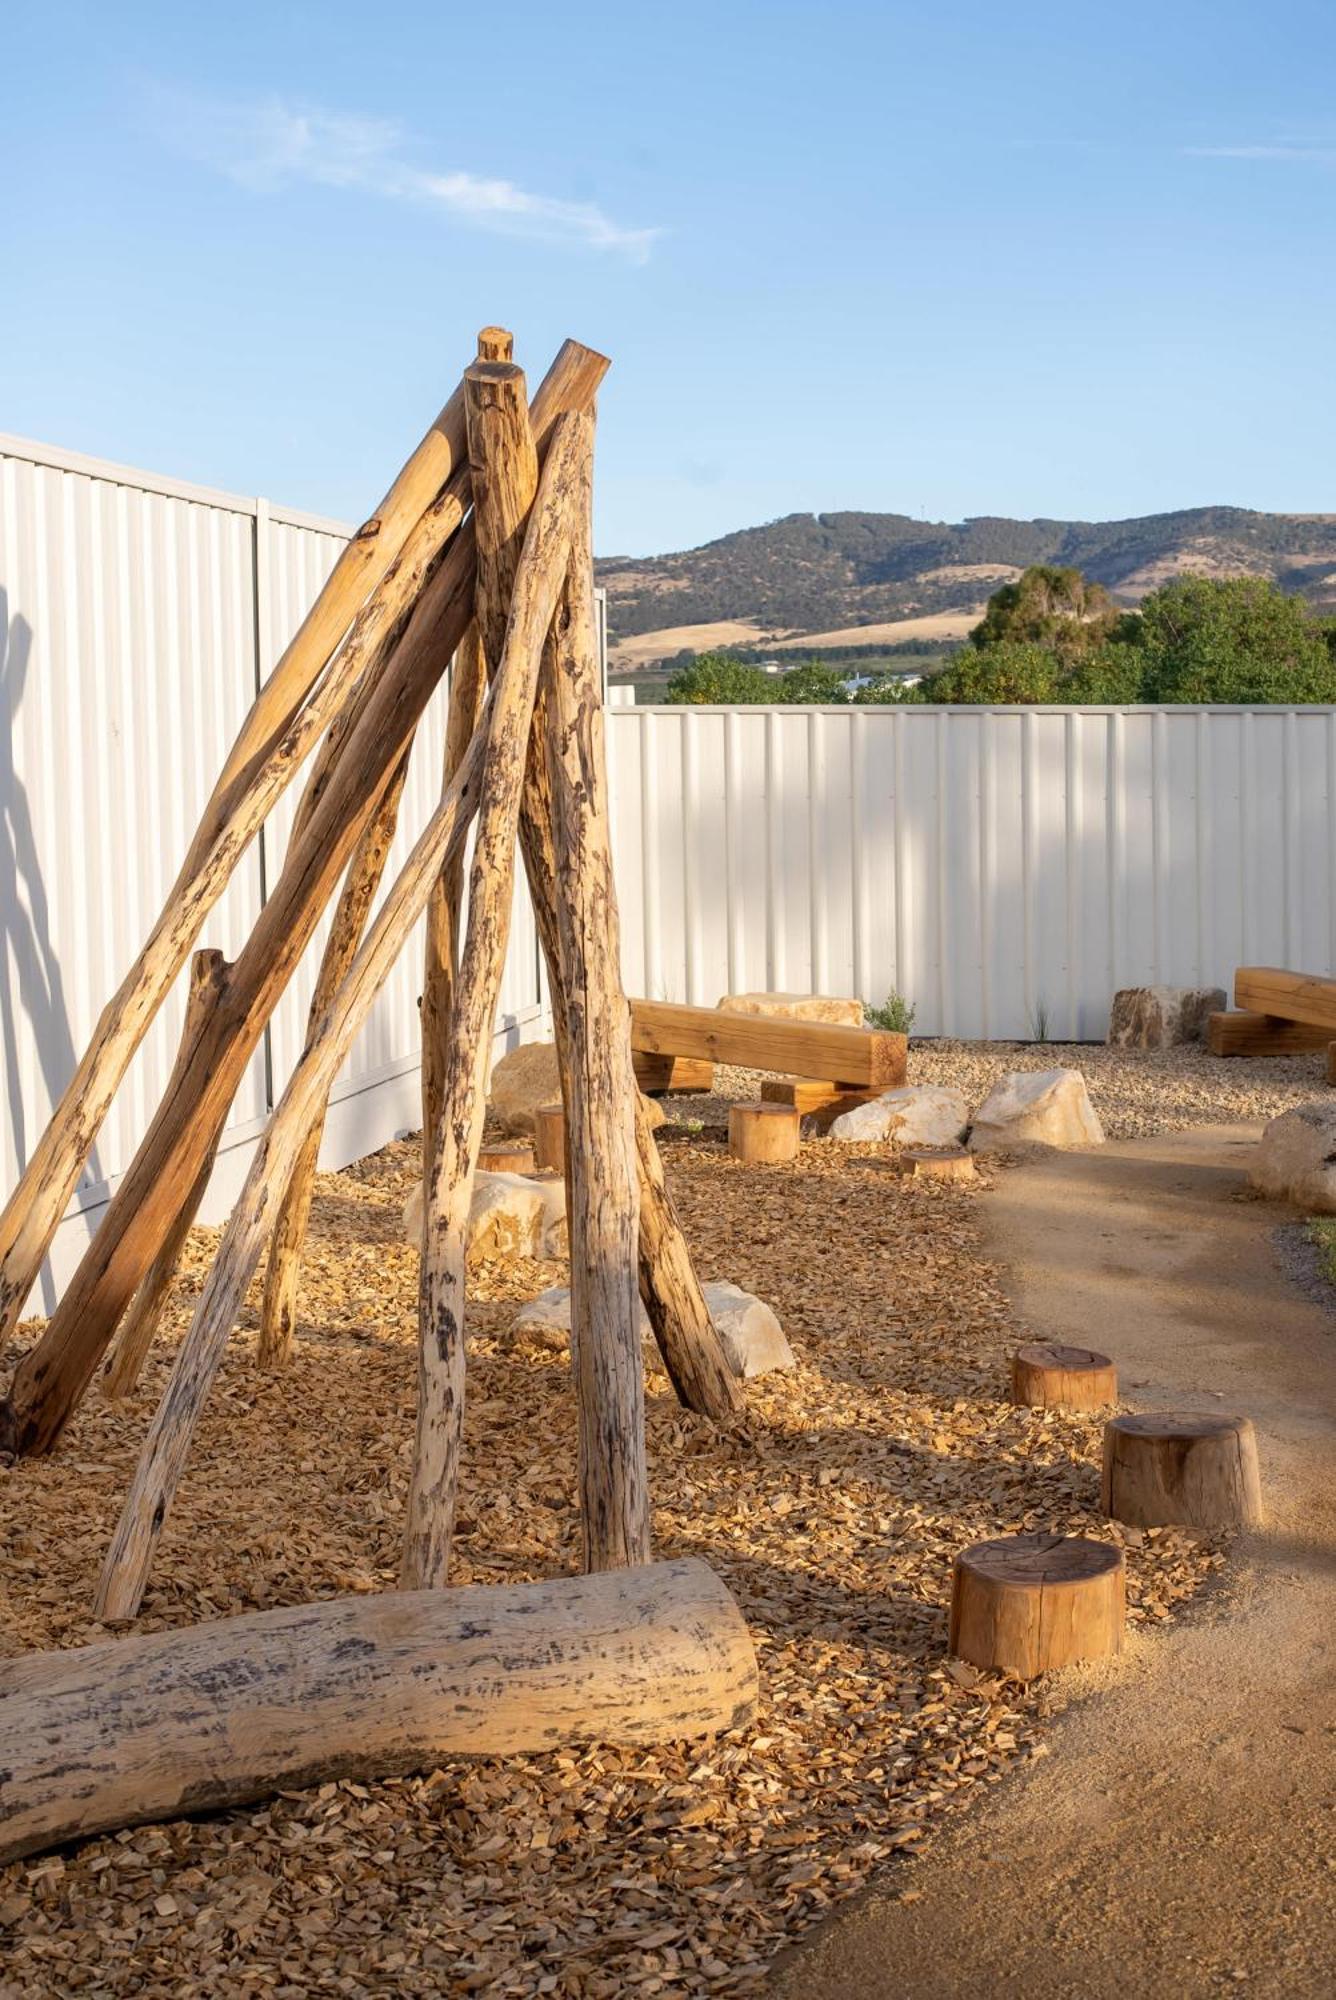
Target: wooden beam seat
{"x": 861, "y": 1058}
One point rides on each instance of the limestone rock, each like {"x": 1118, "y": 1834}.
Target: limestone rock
{"x": 511, "y": 1216}
{"x": 522, "y": 1080}
{"x": 796, "y": 1007}
{"x": 918, "y": 1114}
{"x": 1162, "y": 1017}
{"x": 1051, "y": 1105}
{"x": 1296, "y": 1158}
{"x": 751, "y": 1336}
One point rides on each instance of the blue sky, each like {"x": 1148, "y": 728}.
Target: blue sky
{"x": 1024, "y": 259}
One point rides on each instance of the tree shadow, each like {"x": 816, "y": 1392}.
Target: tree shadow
{"x": 32, "y": 988}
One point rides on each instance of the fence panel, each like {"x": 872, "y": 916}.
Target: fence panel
{"x": 995, "y": 866}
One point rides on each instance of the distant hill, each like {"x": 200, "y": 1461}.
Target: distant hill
{"x": 819, "y": 575}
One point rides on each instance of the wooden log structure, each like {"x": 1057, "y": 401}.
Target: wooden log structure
{"x": 867, "y": 1058}
{"x": 1048, "y": 1376}
{"x": 208, "y": 975}
{"x": 152, "y": 1727}
{"x": 52, "y": 1377}
{"x": 1287, "y": 996}
{"x": 1240, "y": 1033}
{"x": 667, "y": 1076}
{"x": 549, "y": 1138}
{"x": 763, "y": 1134}
{"x": 506, "y": 1156}
{"x": 1025, "y": 1604}
{"x": 1167, "y": 1470}
{"x": 808, "y": 1096}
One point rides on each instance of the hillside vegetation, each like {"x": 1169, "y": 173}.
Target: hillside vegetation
{"x": 814, "y": 573}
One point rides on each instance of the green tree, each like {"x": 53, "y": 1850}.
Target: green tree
{"x": 1237, "y": 638}
{"x": 1011, "y": 670}
{"x": 810, "y": 682}
{"x": 718, "y": 677}
{"x": 1048, "y": 606}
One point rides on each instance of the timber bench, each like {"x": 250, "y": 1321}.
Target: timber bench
{"x": 828, "y": 1064}
{"x": 1277, "y": 1013}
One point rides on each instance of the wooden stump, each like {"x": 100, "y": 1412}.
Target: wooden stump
{"x": 1048, "y": 1377}
{"x": 513, "y": 1156}
{"x": 658, "y": 1076}
{"x": 937, "y": 1163}
{"x": 549, "y": 1138}
{"x": 1165, "y": 1470}
{"x": 763, "y": 1134}
{"x": 1025, "y": 1604}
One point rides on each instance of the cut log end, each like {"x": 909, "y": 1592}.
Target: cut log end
{"x": 549, "y": 1138}
{"x": 763, "y": 1134}
{"x": 937, "y": 1163}
{"x": 1045, "y": 1376}
{"x": 515, "y": 1157}
{"x": 1025, "y": 1604}
{"x": 1169, "y": 1470}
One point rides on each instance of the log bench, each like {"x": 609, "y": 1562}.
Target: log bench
{"x": 829, "y": 1065}
{"x": 1277, "y": 1013}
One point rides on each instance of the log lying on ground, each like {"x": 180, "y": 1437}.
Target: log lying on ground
{"x": 390, "y": 558}
{"x": 208, "y": 976}
{"x": 1290, "y": 996}
{"x": 148, "y": 1728}
{"x": 1244, "y": 1034}
{"x": 167, "y": 1445}
{"x": 602, "y": 1169}
{"x": 448, "y": 1190}
{"x": 51, "y": 1378}
{"x": 278, "y": 1311}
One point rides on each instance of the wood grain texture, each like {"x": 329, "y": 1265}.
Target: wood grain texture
{"x": 208, "y": 975}
{"x": 1243, "y": 1034}
{"x": 1289, "y": 996}
{"x": 52, "y": 1377}
{"x": 149, "y": 1728}
{"x": 1025, "y": 1604}
{"x": 549, "y": 1138}
{"x": 599, "y": 1144}
{"x": 498, "y": 399}
{"x": 1170, "y": 1470}
{"x": 468, "y": 685}
{"x": 660, "y": 1076}
{"x": 1048, "y": 1376}
{"x": 167, "y": 1444}
{"x": 865, "y": 1058}
{"x": 282, "y": 1278}
{"x": 764, "y": 1134}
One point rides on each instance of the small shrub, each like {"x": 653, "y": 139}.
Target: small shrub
{"x": 1322, "y": 1235}
{"x": 1039, "y": 1023}
{"x": 895, "y": 1015}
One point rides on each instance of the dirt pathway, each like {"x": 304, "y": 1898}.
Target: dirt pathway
{"x": 1181, "y": 1839}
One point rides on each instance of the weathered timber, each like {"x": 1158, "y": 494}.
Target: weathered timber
{"x": 763, "y": 1134}
{"x": 1048, "y": 1376}
{"x": 278, "y": 1311}
{"x": 1167, "y": 1470}
{"x": 208, "y": 975}
{"x": 150, "y": 1728}
{"x": 1025, "y": 1604}
{"x": 51, "y": 1378}
{"x": 468, "y": 684}
{"x": 168, "y": 1441}
{"x": 1244, "y": 1034}
{"x": 660, "y": 1076}
{"x": 602, "y": 1169}
{"x": 809, "y": 1097}
{"x": 447, "y": 1193}
{"x": 1290, "y": 996}
{"x": 549, "y": 1138}
{"x": 865, "y": 1058}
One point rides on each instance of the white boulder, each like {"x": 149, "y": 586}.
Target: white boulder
{"x": 1162, "y": 1017}
{"x": 1050, "y": 1105}
{"x": 796, "y": 1007}
{"x": 751, "y": 1336}
{"x": 522, "y": 1080}
{"x": 511, "y": 1216}
{"x": 1296, "y": 1158}
{"x": 918, "y": 1114}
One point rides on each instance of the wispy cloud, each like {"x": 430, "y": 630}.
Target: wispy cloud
{"x": 1304, "y": 156}
{"x": 271, "y": 143}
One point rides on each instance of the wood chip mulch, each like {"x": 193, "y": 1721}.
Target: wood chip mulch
{"x": 833, "y": 1510}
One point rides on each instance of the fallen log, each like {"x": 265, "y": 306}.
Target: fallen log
{"x": 278, "y": 1310}
{"x": 498, "y": 389}
{"x": 602, "y": 1169}
{"x": 52, "y": 1377}
{"x": 149, "y": 1728}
